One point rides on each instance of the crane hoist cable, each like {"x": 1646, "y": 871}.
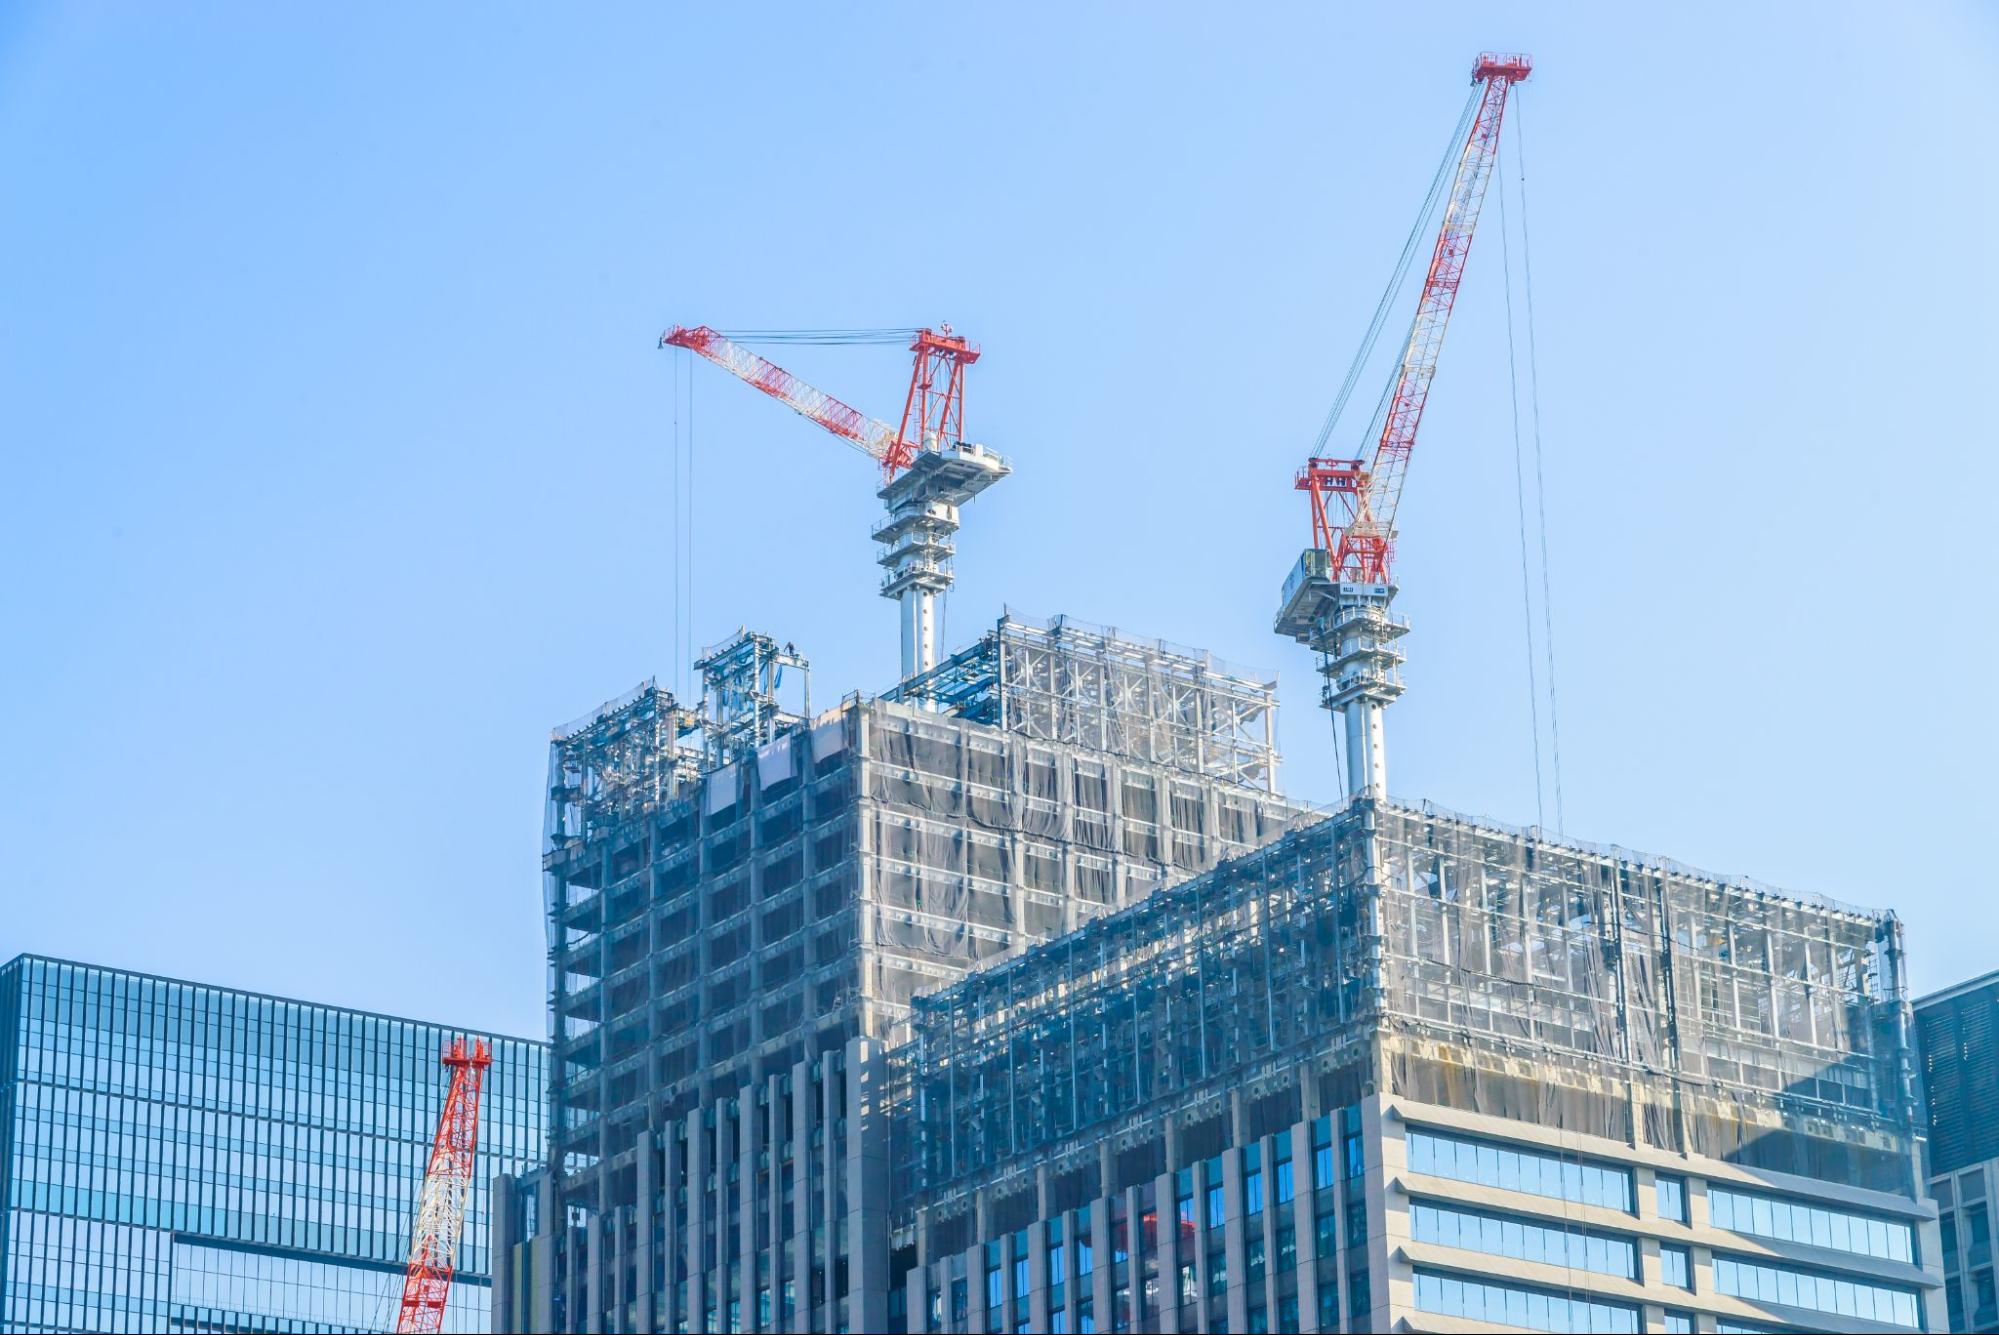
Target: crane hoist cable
{"x": 1520, "y": 503}
{"x": 1397, "y": 277}
{"x": 1540, "y": 483}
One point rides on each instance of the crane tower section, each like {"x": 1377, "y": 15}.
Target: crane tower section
{"x": 1336, "y": 600}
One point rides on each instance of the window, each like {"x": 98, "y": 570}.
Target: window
{"x": 1360, "y": 1301}
{"x": 1281, "y": 1155}
{"x": 1252, "y": 1261}
{"x": 1252, "y": 1179}
{"x": 1792, "y": 1287}
{"x": 1794, "y": 1221}
{"x": 1514, "y": 1169}
{"x": 1086, "y": 1252}
{"x": 1671, "y": 1195}
{"x": 1676, "y": 1266}
{"x": 1505, "y": 1235}
{"x": 1520, "y": 1305}
{"x": 1678, "y": 1322}
{"x": 1217, "y": 1202}
{"x": 1322, "y": 1153}
{"x": 1218, "y": 1271}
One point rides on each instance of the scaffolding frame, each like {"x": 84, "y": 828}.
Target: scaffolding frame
{"x": 1443, "y": 959}
{"x": 1063, "y": 680}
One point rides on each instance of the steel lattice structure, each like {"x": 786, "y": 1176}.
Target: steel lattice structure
{"x": 440, "y": 1217}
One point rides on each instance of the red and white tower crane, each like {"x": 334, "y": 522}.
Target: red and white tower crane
{"x": 928, "y": 468}
{"x": 447, "y": 1183}
{"x": 1336, "y": 599}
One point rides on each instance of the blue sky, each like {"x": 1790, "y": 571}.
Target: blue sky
{"x": 339, "y": 451}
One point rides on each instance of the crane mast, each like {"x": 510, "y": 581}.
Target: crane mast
{"x": 440, "y": 1219}
{"x": 1337, "y": 597}
{"x": 928, "y": 468}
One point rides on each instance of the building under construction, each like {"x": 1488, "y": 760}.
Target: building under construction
{"x": 743, "y": 902}
{"x": 916, "y": 1015}
{"x": 1017, "y": 998}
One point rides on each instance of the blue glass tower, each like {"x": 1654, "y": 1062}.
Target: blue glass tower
{"x": 175, "y": 1156}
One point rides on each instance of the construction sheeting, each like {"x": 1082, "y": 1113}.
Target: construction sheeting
{"x": 1472, "y": 966}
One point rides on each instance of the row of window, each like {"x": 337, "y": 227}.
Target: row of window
{"x": 1814, "y": 1225}
{"x": 1760, "y": 1282}
{"x": 1513, "y": 1169}
{"x": 1521, "y": 1305}
{"x": 1523, "y": 1240}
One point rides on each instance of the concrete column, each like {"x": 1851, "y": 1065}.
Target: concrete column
{"x": 1100, "y": 1283}
{"x": 749, "y": 1130}
{"x": 833, "y": 1164}
{"x": 978, "y": 1318}
{"x": 1234, "y": 1231}
{"x": 777, "y": 1224}
{"x": 698, "y": 1168}
{"x": 648, "y": 1189}
{"x": 1382, "y": 1140}
{"x": 867, "y": 1185}
{"x": 1168, "y": 1315}
{"x": 802, "y": 1108}
{"x": 593, "y": 1264}
{"x": 674, "y": 1165}
{"x": 1304, "y": 1222}
{"x": 727, "y": 1130}
{"x": 505, "y": 1232}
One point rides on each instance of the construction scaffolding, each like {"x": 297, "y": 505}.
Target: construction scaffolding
{"x": 1065, "y": 681}
{"x": 1449, "y": 961}
{"x": 721, "y": 907}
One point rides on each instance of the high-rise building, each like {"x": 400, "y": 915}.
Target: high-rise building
{"x": 925, "y": 1014}
{"x": 1958, "y": 1030}
{"x": 181, "y": 1157}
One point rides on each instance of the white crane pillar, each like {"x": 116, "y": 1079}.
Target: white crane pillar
{"x": 1349, "y": 624}
{"x": 916, "y": 538}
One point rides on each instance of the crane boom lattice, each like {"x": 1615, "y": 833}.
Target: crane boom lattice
{"x": 1337, "y": 598}
{"x": 447, "y": 1183}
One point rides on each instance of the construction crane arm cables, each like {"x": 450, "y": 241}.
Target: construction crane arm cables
{"x": 932, "y": 412}
{"x": 1363, "y": 547}
{"x": 870, "y": 435}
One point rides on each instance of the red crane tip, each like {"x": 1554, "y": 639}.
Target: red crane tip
{"x": 1511, "y": 67}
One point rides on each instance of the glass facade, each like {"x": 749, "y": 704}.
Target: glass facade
{"x": 1889, "y": 1304}
{"x": 1513, "y": 1169}
{"x": 1520, "y": 1305}
{"x": 1794, "y": 1221}
{"x": 182, "y": 1157}
{"x": 1522, "y": 1239}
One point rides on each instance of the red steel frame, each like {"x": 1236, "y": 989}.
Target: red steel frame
{"x": 932, "y": 411}
{"x": 446, "y": 1185}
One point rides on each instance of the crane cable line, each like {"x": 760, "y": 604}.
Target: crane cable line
{"x": 1520, "y": 505}
{"x": 1540, "y": 496}
{"x": 1540, "y": 485}
{"x": 1397, "y": 278}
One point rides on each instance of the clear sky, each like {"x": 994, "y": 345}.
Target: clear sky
{"x": 339, "y": 452}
